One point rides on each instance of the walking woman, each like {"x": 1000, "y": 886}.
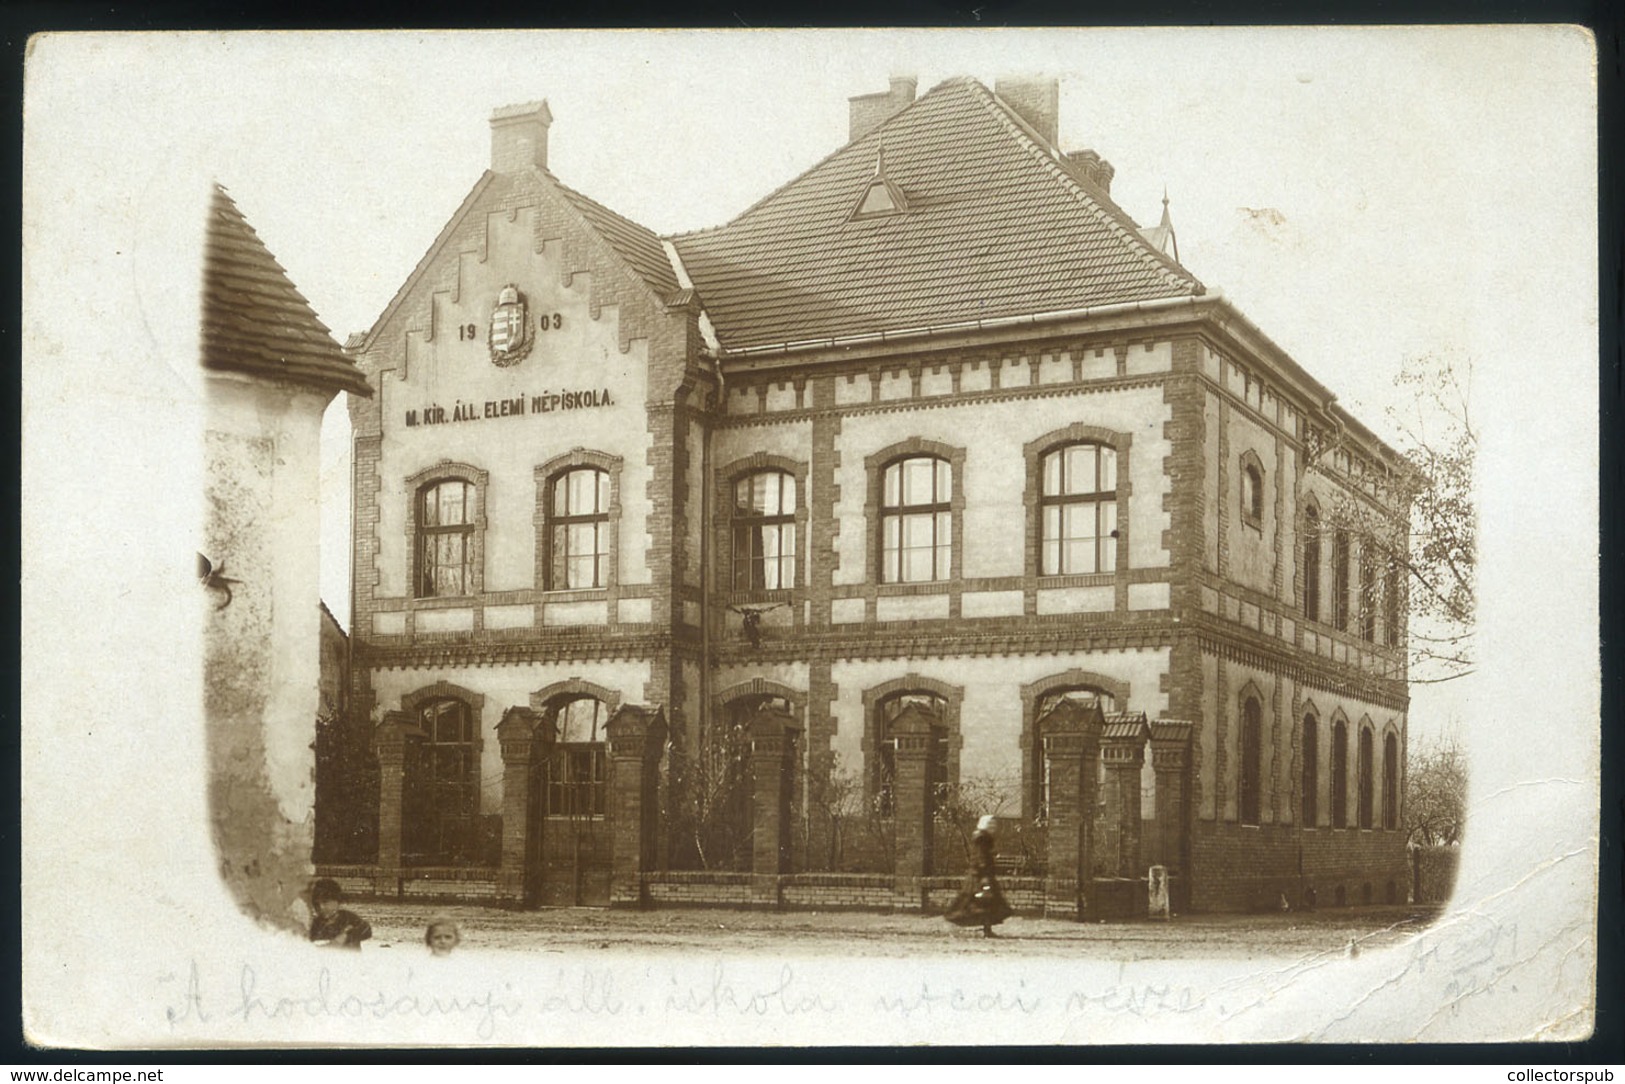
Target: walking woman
{"x": 981, "y": 902}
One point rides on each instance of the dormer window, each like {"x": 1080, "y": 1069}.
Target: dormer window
{"x": 882, "y": 196}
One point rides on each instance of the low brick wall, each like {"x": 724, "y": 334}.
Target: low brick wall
{"x": 1248, "y": 868}
{"x": 447, "y": 883}
{"x": 837, "y": 892}
{"x": 698, "y": 889}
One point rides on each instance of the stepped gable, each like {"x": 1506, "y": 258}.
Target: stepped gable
{"x": 254, "y": 321}
{"x": 637, "y": 245}
{"x": 996, "y": 223}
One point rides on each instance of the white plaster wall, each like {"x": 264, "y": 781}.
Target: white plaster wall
{"x": 583, "y": 354}
{"x": 1252, "y": 552}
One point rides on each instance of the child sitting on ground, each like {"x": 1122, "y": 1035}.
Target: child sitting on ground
{"x": 332, "y": 925}
{"x": 442, "y": 936}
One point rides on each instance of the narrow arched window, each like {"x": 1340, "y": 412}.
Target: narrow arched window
{"x": 1340, "y": 580}
{"x": 445, "y": 514}
{"x": 1368, "y": 591}
{"x": 1311, "y": 563}
{"x": 577, "y": 771}
{"x": 1340, "y": 774}
{"x": 1078, "y": 510}
{"x": 1390, "y": 781}
{"x": 1365, "y": 780}
{"x": 764, "y": 531}
{"x": 884, "y": 768}
{"x": 446, "y": 827}
{"x": 1252, "y": 494}
{"x": 1252, "y": 758}
{"x": 578, "y": 522}
{"x": 1311, "y": 772}
{"x": 1390, "y": 603}
{"x": 916, "y": 521}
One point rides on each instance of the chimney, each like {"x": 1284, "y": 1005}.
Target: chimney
{"x": 870, "y": 111}
{"x": 1093, "y": 166}
{"x": 519, "y": 137}
{"x": 1036, "y": 100}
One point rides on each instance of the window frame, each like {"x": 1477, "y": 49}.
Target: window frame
{"x": 564, "y": 785}
{"x": 1311, "y": 561}
{"x": 1367, "y": 564}
{"x": 1365, "y": 781}
{"x": 1250, "y": 763}
{"x": 932, "y": 511}
{"x": 1390, "y": 781}
{"x": 473, "y": 530}
{"x": 1309, "y": 799}
{"x": 1340, "y": 773}
{"x": 1340, "y": 579}
{"x": 1251, "y": 487}
{"x": 547, "y": 476}
{"x": 1100, "y": 499}
{"x": 747, "y": 526}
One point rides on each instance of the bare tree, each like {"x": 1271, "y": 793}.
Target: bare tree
{"x": 1433, "y": 565}
{"x": 1436, "y": 792}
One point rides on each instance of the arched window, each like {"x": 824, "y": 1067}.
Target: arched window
{"x": 579, "y": 529}
{"x": 1252, "y": 759}
{"x": 1390, "y": 603}
{"x": 1078, "y": 510}
{"x": 916, "y": 520}
{"x": 1390, "y": 781}
{"x": 1048, "y": 702}
{"x": 764, "y": 531}
{"x": 445, "y": 531}
{"x": 1310, "y": 806}
{"x": 577, "y": 771}
{"x": 1340, "y": 580}
{"x": 1368, "y": 591}
{"x": 1311, "y": 563}
{"x": 1252, "y": 491}
{"x": 1340, "y": 774}
{"x": 884, "y": 770}
{"x": 1365, "y": 780}
{"x": 446, "y": 828}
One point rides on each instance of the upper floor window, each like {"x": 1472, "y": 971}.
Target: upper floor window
{"x": 764, "y": 531}
{"x": 1365, "y": 781}
{"x": 916, "y": 521}
{"x": 1252, "y": 491}
{"x": 1078, "y": 511}
{"x": 1309, "y": 809}
{"x": 447, "y": 802}
{"x": 1311, "y": 563}
{"x": 1252, "y": 759}
{"x": 1340, "y": 580}
{"x": 1368, "y": 592}
{"x": 1390, "y": 603}
{"x": 577, "y": 774}
{"x": 445, "y": 516}
{"x": 579, "y": 525}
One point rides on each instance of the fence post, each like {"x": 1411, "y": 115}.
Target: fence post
{"x": 389, "y": 743}
{"x": 637, "y": 737}
{"x": 1071, "y": 736}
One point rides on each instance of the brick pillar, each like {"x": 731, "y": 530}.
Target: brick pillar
{"x": 1170, "y": 760}
{"x": 637, "y": 737}
{"x": 521, "y": 745}
{"x": 912, "y": 733}
{"x": 1071, "y": 737}
{"x": 1122, "y": 750}
{"x": 389, "y": 743}
{"x": 772, "y": 745}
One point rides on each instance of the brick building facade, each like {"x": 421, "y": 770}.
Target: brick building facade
{"x": 743, "y": 565}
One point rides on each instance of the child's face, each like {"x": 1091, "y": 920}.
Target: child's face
{"x": 327, "y": 908}
{"x": 442, "y": 939}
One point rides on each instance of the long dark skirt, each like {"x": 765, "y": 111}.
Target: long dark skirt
{"x": 980, "y": 903}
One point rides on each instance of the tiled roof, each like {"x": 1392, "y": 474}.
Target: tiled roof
{"x": 996, "y": 226}
{"x": 637, "y": 245}
{"x": 254, "y": 320}
{"x": 1125, "y": 724}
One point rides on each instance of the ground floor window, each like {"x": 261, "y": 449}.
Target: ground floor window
{"x": 577, "y": 771}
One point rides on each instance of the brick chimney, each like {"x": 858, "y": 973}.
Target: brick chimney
{"x": 519, "y": 137}
{"x": 1094, "y": 167}
{"x": 1036, "y": 100}
{"x": 870, "y": 111}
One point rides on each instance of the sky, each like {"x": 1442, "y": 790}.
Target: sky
{"x": 1364, "y": 196}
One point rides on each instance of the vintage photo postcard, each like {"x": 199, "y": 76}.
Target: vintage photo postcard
{"x": 854, "y": 538}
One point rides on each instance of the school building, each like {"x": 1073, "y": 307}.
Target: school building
{"x": 750, "y": 565}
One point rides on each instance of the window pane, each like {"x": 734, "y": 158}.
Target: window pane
{"x": 1052, "y": 557}
{"x": 890, "y": 527}
{"x": 1078, "y": 521}
{"x": 1108, "y": 469}
{"x": 917, "y": 481}
{"x": 561, "y": 495}
{"x": 431, "y": 507}
{"x": 1108, "y": 539}
{"x": 1052, "y": 473}
{"x": 945, "y": 543}
{"x": 583, "y": 492}
{"x": 603, "y": 491}
{"x": 945, "y": 482}
{"x": 918, "y": 531}
{"x": 894, "y": 474}
{"x": 453, "y": 503}
{"x": 917, "y": 566}
{"x": 580, "y": 572}
{"x": 787, "y": 502}
{"x": 1080, "y": 468}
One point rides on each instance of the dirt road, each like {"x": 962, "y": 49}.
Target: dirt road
{"x": 1338, "y": 932}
